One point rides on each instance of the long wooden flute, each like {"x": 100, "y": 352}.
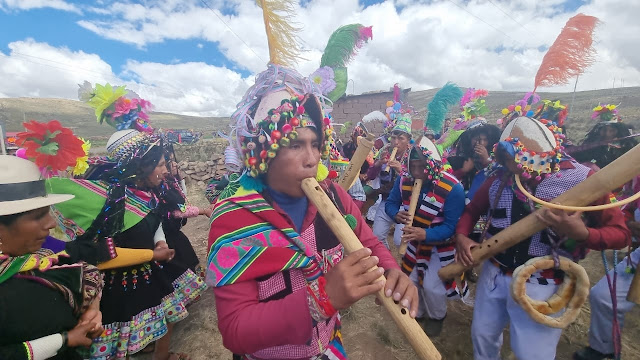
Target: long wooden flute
{"x": 413, "y": 203}
{"x": 349, "y": 176}
{"x": 611, "y": 177}
{"x": 409, "y": 327}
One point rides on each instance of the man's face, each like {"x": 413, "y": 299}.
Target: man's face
{"x": 480, "y": 139}
{"x": 417, "y": 167}
{"x": 295, "y": 163}
{"x": 609, "y": 133}
{"x": 509, "y": 162}
{"x": 400, "y": 140}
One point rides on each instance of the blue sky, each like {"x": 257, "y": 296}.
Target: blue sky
{"x": 180, "y": 55}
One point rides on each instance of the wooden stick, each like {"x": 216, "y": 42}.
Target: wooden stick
{"x": 634, "y": 290}
{"x": 409, "y": 327}
{"x": 614, "y": 175}
{"x": 350, "y": 175}
{"x": 413, "y": 203}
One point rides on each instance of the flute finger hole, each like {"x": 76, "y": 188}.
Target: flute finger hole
{"x": 403, "y": 311}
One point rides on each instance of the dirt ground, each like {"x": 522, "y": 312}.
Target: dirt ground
{"x": 369, "y": 333}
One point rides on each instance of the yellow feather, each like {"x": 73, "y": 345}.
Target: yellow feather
{"x": 282, "y": 32}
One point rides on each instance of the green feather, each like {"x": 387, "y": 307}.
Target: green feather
{"x": 341, "y": 78}
{"x": 449, "y": 95}
{"x": 449, "y": 138}
{"x": 342, "y": 46}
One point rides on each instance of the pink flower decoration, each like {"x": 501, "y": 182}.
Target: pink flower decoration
{"x": 227, "y": 257}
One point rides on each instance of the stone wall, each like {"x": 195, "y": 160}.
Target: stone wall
{"x": 200, "y": 172}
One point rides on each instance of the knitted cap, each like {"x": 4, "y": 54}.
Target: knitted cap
{"x": 403, "y": 124}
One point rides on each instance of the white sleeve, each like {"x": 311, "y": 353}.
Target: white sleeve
{"x": 183, "y": 186}
{"x": 46, "y": 347}
{"x": 159, "y": 235}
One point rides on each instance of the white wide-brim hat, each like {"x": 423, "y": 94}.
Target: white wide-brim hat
{"x": 22, "y": 187}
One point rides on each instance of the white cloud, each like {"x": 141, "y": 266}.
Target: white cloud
{"x": 38, "y": 4}
{"x": 35, "y": 69}
{"x": 416, "y": 43}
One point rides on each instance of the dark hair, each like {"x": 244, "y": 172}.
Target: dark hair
{"x": 110, "y": 220}
{"x": 8, "y": 220}
{"x": 398, "y": 132}
{"x": 463, "y": 146}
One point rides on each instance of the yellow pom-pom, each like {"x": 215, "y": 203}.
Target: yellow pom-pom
{"x": 505, "y": 111}
{"x": 389, "y": 103}
{"x": 518, "y": 108}
{"x": 527, "y": 108}
{"x": 322, "y": 173}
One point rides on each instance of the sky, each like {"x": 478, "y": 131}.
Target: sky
{"x": 198, "y": 57}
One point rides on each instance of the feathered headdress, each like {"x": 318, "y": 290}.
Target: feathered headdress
{"x": 282, "y": 33}
{"x": 342, "y": 46}
{"x": 117, "y": 106}
{"x": 449, "y": 95}
{"x": 472, "y": 103}
{"x": 570, "y": 54}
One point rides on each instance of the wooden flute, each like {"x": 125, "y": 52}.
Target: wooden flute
{"x": 611, "y": 177}
{"x": 413, "y": 203}
{"x": 423, "y": 347}
{"x": 352, "y": 172}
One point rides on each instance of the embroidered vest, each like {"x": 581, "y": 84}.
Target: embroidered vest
{"x": 509, "y": 210}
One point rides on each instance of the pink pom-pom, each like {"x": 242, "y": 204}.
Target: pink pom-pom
{"x": 327, "y": 121}
{"x": 519, "y": 166}
{"x": 559, "y": 175}
{"x": 538, "y": 178}
{"x": 300, "y": 110}
{"x": 21, "y": 153}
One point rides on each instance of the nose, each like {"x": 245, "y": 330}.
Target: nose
{"x": 48, "y": 222}
{"x": 310, "y": 160}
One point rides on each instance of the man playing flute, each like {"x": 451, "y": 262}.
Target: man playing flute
{"x": 388, "y": 170}
{"x": 280, "y": 275}
{"x": 439, "y": 207}
{"x": 532, "y": 150}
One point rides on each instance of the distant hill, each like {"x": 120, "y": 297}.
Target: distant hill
{"x": 81, "y": 118}
{"x": 579, "y": 121}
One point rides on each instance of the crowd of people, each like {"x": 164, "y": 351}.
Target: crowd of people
{"x": 126, "y": 273}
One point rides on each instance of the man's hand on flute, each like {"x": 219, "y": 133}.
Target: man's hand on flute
{"x": 564, "y": 224}
{"x": 463, "y": 249}
{"x": 350, "y": 280}
{"x": 402, "y": 217}
{"x": 411, "y": 233}
{"x": 395, "y": 165}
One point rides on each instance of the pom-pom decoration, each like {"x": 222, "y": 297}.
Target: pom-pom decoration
{"x": 51, "y": 146}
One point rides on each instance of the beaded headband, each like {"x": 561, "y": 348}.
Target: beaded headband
{"x": 278, "y": 129}
{"x": 526, "y": 135}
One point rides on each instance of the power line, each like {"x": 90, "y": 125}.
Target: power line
{"x": 511, "y": 17}
{"x": 480, "y": 19}
{"x": 230, "y": 29}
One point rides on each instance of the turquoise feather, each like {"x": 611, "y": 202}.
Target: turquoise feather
{"x": 449, "y": 95}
